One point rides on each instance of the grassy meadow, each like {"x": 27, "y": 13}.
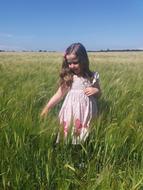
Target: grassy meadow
{"x": 111, "y": 159}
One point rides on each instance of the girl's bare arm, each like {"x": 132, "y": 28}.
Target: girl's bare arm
{"x": 56, "y": 98}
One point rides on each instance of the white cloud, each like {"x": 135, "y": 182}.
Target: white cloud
{"x": 6, "y": 35}
{"x": 10, "y": 47}
{"x": 140, "y": 48}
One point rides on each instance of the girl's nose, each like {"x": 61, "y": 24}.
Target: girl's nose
{"x": 71, "y": 65}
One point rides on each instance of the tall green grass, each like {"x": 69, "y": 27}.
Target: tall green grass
{"x": 112, "y": 157}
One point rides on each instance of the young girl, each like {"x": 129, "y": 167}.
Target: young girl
{"x": 82, "y": 89}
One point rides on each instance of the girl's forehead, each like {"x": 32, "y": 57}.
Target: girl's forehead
{"x": 71, "y": 56}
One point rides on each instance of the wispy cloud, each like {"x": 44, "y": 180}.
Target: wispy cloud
{"x": 15, "y": 42}
{"x": 26, "y": 36}
{"x": 140, "y": 48}
{"x": 10, "y": 47}
{"x": 6, "y": 35}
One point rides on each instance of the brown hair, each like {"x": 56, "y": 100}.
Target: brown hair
{"x": 66, "y": 75}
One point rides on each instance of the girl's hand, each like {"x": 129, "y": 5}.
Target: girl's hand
{"x": 89, "y": 91}
{"x": 44, "y": 112}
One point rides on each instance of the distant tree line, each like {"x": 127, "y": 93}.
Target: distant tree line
{"x": 1, "y": 50}
{"x": 102, "y": 50}
{"x": 115, "y": 50}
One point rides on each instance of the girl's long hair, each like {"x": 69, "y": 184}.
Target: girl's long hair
{"x": 66, "y": 75}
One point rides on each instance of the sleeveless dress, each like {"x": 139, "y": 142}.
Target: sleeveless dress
{"x": 77, "y": 110}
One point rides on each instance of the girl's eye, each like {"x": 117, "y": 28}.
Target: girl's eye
{"x": 72, "y": 62}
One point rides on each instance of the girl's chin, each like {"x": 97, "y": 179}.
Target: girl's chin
{"x": 76, "y": 72}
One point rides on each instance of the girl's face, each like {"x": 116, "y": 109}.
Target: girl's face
{"x": 73, "y": 63}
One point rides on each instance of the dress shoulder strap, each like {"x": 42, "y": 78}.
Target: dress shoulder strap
{"x": 95, "y": 77}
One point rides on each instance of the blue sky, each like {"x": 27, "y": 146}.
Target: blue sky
{"x": 55, "y": 24}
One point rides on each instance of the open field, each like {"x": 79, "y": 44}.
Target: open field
{"x": 112, "y": 159}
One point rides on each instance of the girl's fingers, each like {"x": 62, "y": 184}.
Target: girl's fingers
{"x": 43, "y": 114}
{"x": 90, "y": 91}
{"x": 88, "y": 94}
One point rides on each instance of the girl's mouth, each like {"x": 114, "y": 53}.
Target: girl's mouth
{"x": 75, "y": 71}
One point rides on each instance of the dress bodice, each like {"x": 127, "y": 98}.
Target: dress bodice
{"x": 80, "y": 83}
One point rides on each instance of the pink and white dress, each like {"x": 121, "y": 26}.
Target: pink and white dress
{"x": 77, "y": 110}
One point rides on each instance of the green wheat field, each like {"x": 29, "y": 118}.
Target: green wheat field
{"x": 112, "y": 157}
